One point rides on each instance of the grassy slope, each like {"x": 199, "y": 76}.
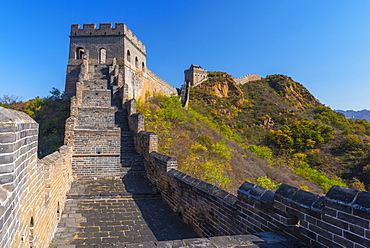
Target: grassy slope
{"x": 272, "y": 129}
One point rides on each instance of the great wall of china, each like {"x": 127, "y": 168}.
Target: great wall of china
{"x": 107, "y": 185}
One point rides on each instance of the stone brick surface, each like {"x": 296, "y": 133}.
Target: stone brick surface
{"x": 32, "y": 191}
{"x": 117, "y": 211}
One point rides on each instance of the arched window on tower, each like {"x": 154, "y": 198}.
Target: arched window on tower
{"x": 143, "y": 66}
{"x": 136, "y": 62}
{"x": 80, "y": 52}
{"x": 102, "y": 56}
{"x": 128, "y": 56}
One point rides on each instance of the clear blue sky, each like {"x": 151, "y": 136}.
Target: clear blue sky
{"x": 323, "y": 44}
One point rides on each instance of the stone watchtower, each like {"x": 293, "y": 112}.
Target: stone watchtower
{"x": 103, "y": 46}
{"x": 195, "y": 75}
{"x": 106, "y": 67}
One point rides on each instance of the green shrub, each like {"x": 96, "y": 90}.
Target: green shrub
{"x": 266, "y": 183}
{"x": 313, "y": 175}
{"x": 260, "y": 151}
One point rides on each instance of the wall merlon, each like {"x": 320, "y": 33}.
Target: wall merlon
{"x": 92, "y": 29}
{"x": 286, "y": 191}
{"x": 342, "y": 194}
{"x": 106, "y": 29}
{"x": 363, "y": 201}
{"x": 305, "y": 198}
{"x": 245, "y": 187}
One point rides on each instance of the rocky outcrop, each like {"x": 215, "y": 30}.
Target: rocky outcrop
{"x": 292, "y": 90}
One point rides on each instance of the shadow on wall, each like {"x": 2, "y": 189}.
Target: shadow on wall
{"x": 162, "y": 223}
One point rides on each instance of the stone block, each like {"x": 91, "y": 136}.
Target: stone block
{"x": 338, "y": 206}
{"x": 329, "y": 227}
{"x": 8, "y": 137}
{"x": 342, "y": 194}
{"x": 231, "y": 199}
{"x": 357, "y": 239}
{"x": 286, "y": 191}
{"x": 319, "y": 204}
{"x": 7, "y": 168}
{"x": 246, "y": 186}
{"x": 4, "y": 127}
{"x": 268, "y": 197}
{"x": 257, "y": 191}
{"x": 224, "y": 241}
{"x": 7, "y": 178}
{"x": 141, "y": 245}
{"x": 7, "y": 159}
{"x": 363, "y": 200}
{"x": 305, "y": 198}
{"x": 248, "y": 239}
{"x": 353, "y": 219}
{"x": 199, "y": 242}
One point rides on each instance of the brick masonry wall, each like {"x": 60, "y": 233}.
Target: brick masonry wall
{"x": 97, "y": 142}
{"x": 32, "y": 191}
{"x": 96, "y": 166}
{"x": 93, "y": 130}
{"x": 339, "y": 219}
{"x": 247, "y": 78}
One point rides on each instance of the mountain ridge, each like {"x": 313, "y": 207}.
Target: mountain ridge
{"x": 356, "y": 114}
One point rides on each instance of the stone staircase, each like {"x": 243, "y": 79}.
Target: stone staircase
{"x": 97, "y": 134}
{"x": 100, "y": 72}
{"x": 104, "y": 145}
{"x": 132, "y": 162}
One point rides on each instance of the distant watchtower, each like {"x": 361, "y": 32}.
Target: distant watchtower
{"x": 195, "y": 75}
{"x": 105, "y": 45}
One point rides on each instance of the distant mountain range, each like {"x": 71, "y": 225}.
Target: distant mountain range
{"x": 361, "y": 114}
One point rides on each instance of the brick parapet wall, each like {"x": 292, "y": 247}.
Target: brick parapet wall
{"x": 136, "y": 122}
{"x": 130, "y": 106}
{"x": 161, "y": 85}
{"x": 30, "y": 189}
{"x": 339, "y": 219}
{"x": 145, "y": 143}
{"x": 247, "y": 78}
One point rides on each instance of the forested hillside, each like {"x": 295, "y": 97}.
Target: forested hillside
{"x": 268, "y": 132}
{"x": 49, "y": 112}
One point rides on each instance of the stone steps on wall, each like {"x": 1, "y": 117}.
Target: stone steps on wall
{"x": 95, "y": 85}
{"x": 122, "y": 121}
{"x": 132, "y": 172}
{"x": 132, "y": 163}
{"x": 135, "y": 160}
{"x": 101, "y": 72}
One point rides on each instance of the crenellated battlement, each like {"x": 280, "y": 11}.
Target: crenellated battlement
{"x": 106, "y": 29}
{"x": 91, "y": 29}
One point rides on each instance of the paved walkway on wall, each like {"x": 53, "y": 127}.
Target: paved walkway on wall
{"x": 103, "y": 212}
{"x": 130, "y": 213}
